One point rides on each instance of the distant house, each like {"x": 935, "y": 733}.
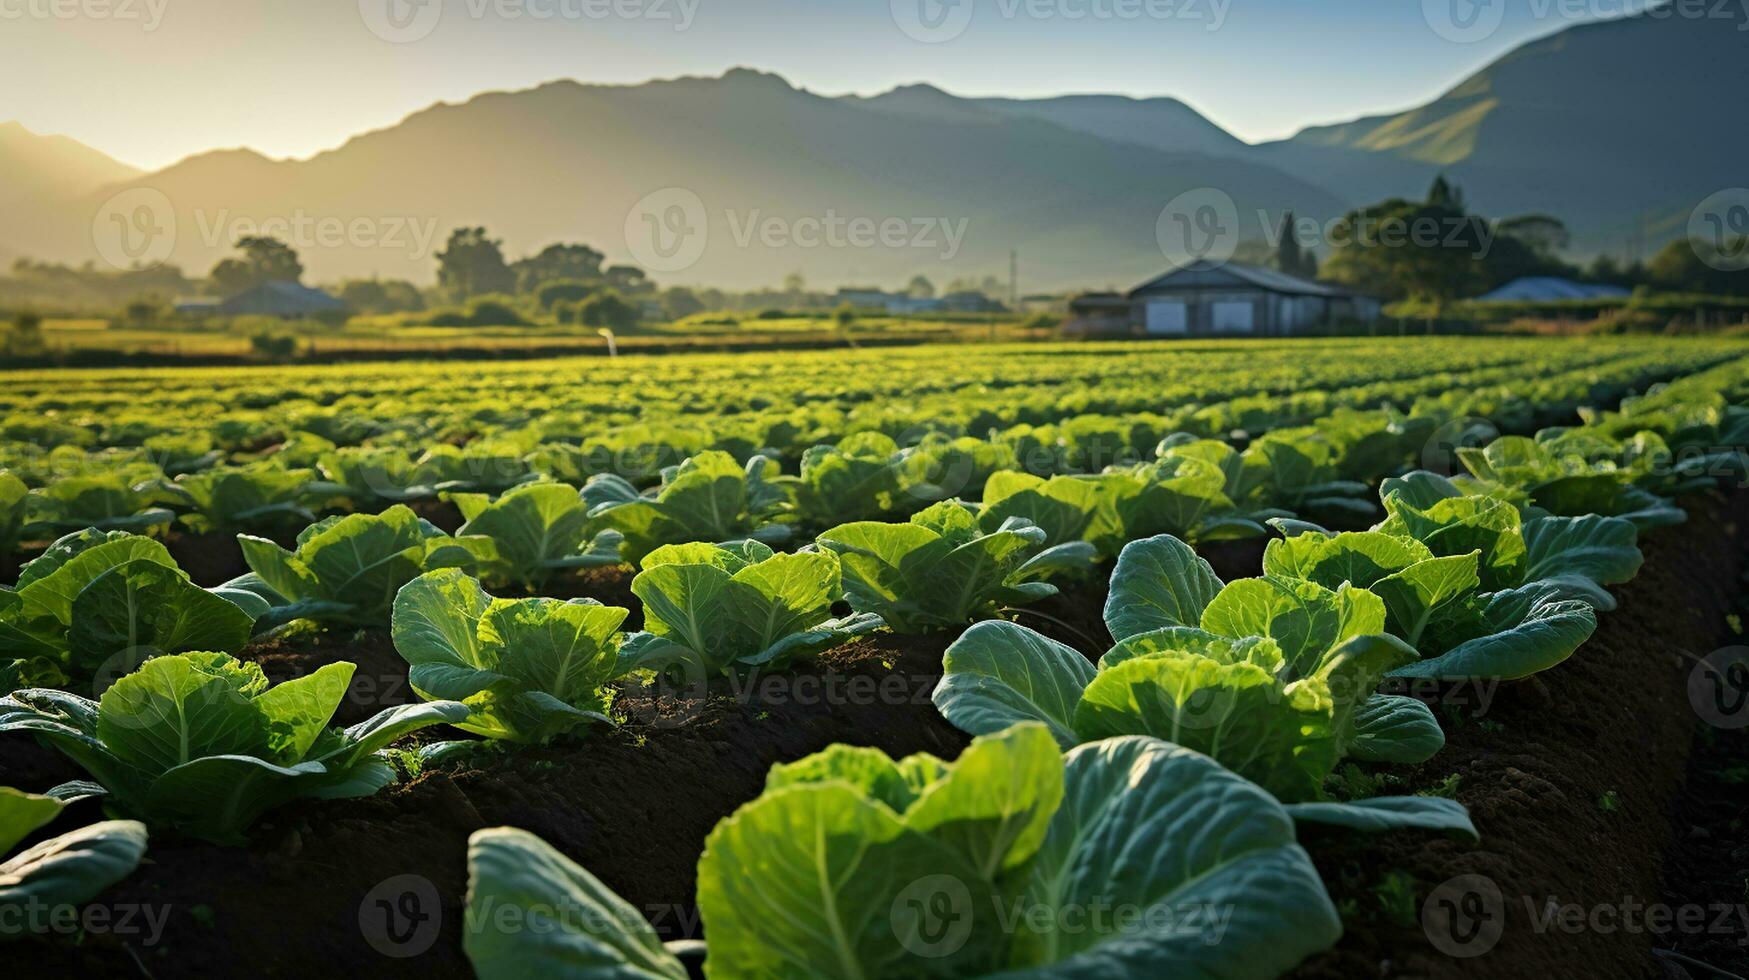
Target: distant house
{"x": 1232, "y": 299}
{"x": 863, "y": 299}
{"x": 197, "y": 306}
{"x": 286, "y": 300}
{"x": 970, "y": 302}
{"x": 1545, "y": 289}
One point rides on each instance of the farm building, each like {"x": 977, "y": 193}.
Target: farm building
{"x": 1206, "y": 299}
{"x": 1543, "y": 289}
{"x": 286, "y": 300}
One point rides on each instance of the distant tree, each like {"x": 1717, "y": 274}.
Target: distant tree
{"x": 25, "y": 339}
{"x": 380, "y": 296}
{"x": 678, "y": 303}
{"x": 549, "y": 296}
{"x": 141, "y": 313}
{"x": 1543, "y": 234}
{"x": 1696, "y": 266}
{"x": 1401, "y": 248}
{"x": 472, "y": 264}
{"x": 607, "y": 309}
{"x": 920, "y": 288}
{"x": 1444, "y": 194}
{"x": 263, "y": 260}
{"x": 629, "y": 280}
{"x": 1288, "y": 256}
{"x": 845, "y": 316}
{"x": 555, "y": 263}
{"x": 1604, "y": 269}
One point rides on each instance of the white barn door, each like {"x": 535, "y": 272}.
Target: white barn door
{"x": 1167, "y": 317}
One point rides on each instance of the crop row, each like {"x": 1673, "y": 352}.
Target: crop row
{"x": 1166, "y": 779}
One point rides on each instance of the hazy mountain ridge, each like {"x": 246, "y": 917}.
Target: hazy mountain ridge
{"x": 568, "y": 161}
{"x": 1075, "y": 183}
{"x": 37, "y": 166}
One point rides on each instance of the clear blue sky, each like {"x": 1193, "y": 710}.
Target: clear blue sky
{"x": 152, "y": 81}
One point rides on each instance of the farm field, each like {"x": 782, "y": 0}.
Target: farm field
{"x": 78, "y": 341}
{"x": 1331, "y": 658}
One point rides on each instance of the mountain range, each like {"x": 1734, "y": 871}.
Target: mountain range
{"x": 1617, "y": 127}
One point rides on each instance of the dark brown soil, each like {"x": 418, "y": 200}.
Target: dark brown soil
{"x": 439, "y": 512}
{"x": 1570, "y": 777}
{"x": 610, "y": 586}
{"x": 634, "y": 805}
{"x": 379, "y": 682}
{"x": 209, "y": 559}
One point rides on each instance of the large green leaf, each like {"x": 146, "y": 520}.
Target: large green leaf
{"x": 71, "y": 869}
{"x": 1158, "y": 582}
{"x": 1278, "y": 736}
{"x": 998, "y": 674}
{"x": 143, "y": 609}
{"x": 533, "y": 912}
{"x": 1392, "y": 728}
{"x": 1386, "y": 813}
{"x": 1168, "y": 832}
{"x": 819, "y": 880}
{"x": 1510, "y": 635}
{"x": 22, "y": 813}
{"x": 176, "y": 709}
{"x": 1358, "y": 557}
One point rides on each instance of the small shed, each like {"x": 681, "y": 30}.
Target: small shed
{"x": 1546, "y": 289}
{"x": 286, "y": 300}
{"x": 1232, "y": 299}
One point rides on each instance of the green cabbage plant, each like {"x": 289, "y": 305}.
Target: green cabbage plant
{"x": 1275, "y": 678}
{"x": 853, "y": 864}
{"x": 530, "y": 669}
{"x": 536, "y": 530}
{"x": 348, "y": 569}
{"x": 710, "y": 608}
{"x": 199, "y": 742}
{"x": 96, "y": 605}
{"x": 940, "y": 569}
{"x": 707, "y": 498}
{"x": 63, "y": 871}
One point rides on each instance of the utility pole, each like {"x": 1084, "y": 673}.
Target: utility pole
{"x": 1014, "y": 279}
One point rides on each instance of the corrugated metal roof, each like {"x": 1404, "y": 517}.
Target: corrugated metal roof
{"x": 1539, "y": 289}
{"x": 1203, "y": 274}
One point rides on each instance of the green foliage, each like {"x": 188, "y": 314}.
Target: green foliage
{"x": 707, "y": 498}
{"x": 348, "y": 569}
{"x": 63, "y": 871}
{"x": 529, "y": 669}
{"x": 940, "y": 569}
{"x": 95, "y": 605}
{"x": 200, "y": 742}
{"x": 710, "y": 608}
{"x": 855, "y": 864}
{"x": 253, "y": 498}
{"x": 536, "y": 530}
